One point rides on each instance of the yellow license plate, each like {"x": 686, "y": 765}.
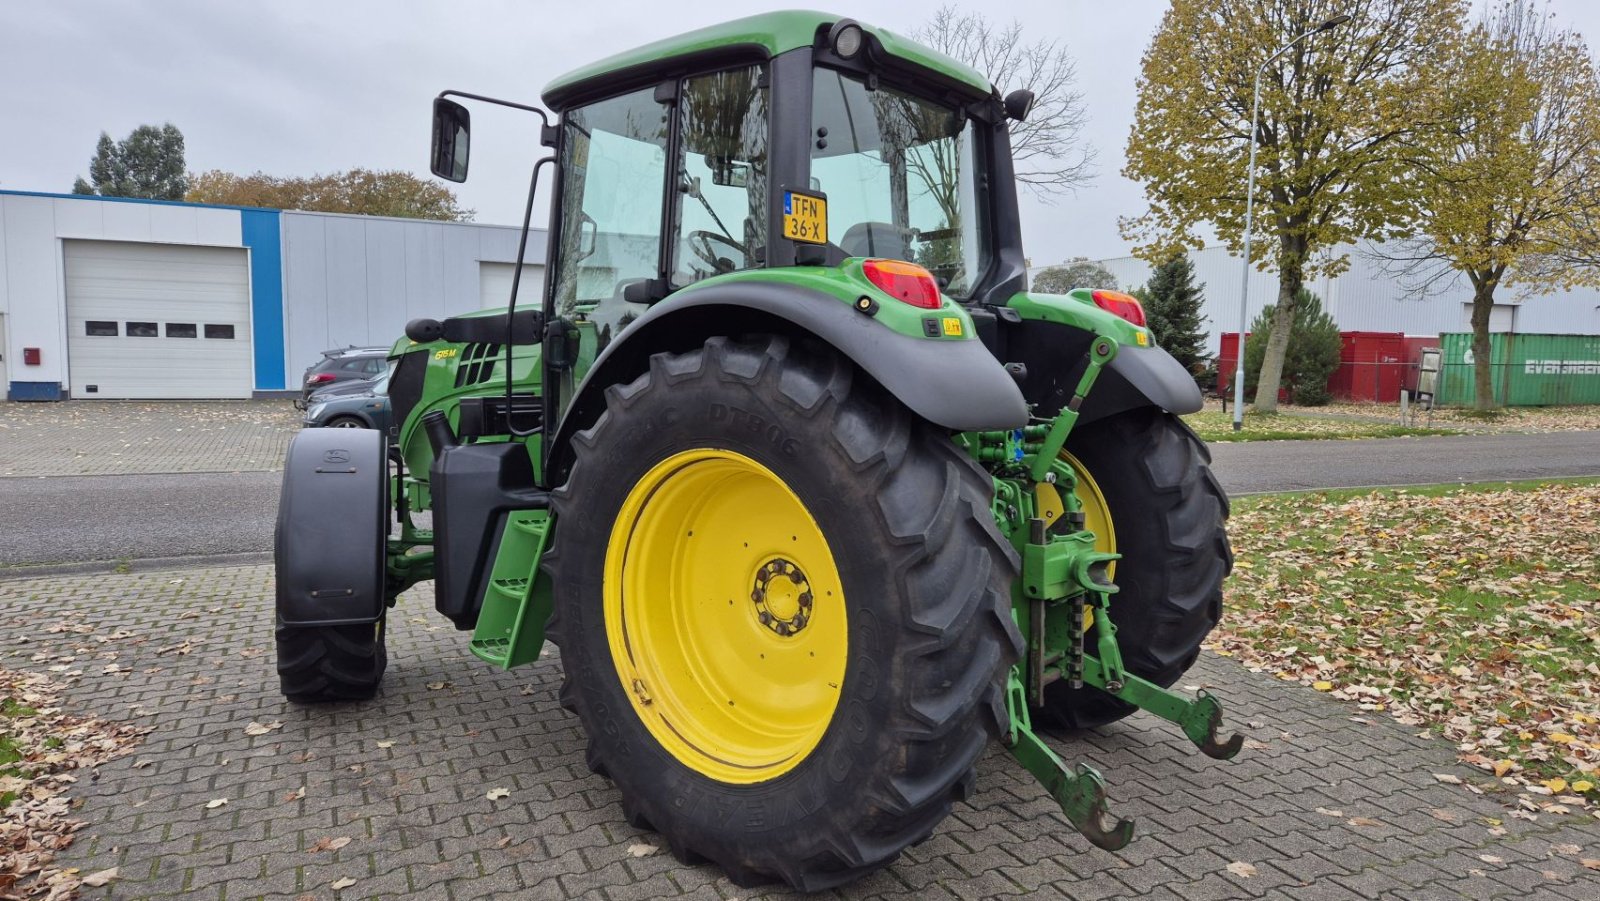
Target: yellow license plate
{"x": 805, "y": 218}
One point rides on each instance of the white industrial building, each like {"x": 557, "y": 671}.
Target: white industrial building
{"x": 118, "y": 298}
{"x": 105, "y": 297}
{"x": 1365, "y": 298}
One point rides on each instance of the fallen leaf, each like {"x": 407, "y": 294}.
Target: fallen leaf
{"x": 1567, "y": 849}
{"x": 1556, "y": 786}
{"x": 437, "y": 686}
{"x": 1590, "y": 863}
{"x": 503, "y": 842}
{"x": 390, "y": 744}
{"x": 296, "y": 795}
{"x": 342, "y": 883}
{"x": 1491, "y": 859}
{"x": 214, "y": 804}
{"x": 496, "y": 794}
{"x": 1364, "y": 821}
{"x": 1501, "y": 767}
{"x": 1581, "y": 785}
{"x": 1322, "y": 686}
{"x": 1241, "y": 869}
{"x": 95, "y": 880}
{"x": 1330, "y": 812}
{"x": 327, "y": 843}
{"x": 1448, "y": 779}
{"x": 141, "y": 763}
{"x": 642, "y": 850}
{"x": 262, "y": 728}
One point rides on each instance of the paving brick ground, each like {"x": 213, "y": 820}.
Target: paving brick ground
{"x": 196, "y": 665}
{"x": 105, "y": 437}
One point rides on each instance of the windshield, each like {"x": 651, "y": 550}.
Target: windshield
{"x": 898, "y": 172}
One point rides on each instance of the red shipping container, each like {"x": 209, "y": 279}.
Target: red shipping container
{"x": 1373, "y": 366}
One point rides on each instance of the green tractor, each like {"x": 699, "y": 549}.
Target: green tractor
{"x": 814, "y": 497}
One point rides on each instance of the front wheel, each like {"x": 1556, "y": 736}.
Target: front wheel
{"x": 1148, "y": 494}
{"x": 783, "y": 611}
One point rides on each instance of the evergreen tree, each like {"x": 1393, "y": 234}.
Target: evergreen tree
{"x": 147, "y": 163}
{"x": 1172, "y": 303}
{"x": 1312, "y": 355}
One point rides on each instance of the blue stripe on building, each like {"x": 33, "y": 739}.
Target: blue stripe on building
{"x": 260, "y": 231}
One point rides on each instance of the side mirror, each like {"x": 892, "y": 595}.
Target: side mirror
{"x": 452, "y": 129}
{"x": 1019, "y": 104}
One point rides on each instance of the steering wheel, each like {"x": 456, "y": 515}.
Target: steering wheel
{"x": 700, "y": 241}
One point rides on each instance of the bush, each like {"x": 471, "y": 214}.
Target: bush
{"x": 1312, "y": 356}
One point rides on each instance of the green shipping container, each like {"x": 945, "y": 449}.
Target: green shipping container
{"x": 1526, "y": 370}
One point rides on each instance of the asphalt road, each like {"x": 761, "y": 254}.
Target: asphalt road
{"x": 73, "y": 519}
{"x": 1254, "y": 467}
{"x": 68, "y": 519}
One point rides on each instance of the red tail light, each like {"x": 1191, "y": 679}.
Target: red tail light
{"x": 1118, "y": 304}
{"x": 320, "y": 378}
{"x": 906, "y": 282}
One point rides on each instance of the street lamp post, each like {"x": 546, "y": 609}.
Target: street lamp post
{"x": 1249, "y": 209}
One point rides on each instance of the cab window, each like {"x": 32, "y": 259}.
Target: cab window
{"x": 613, "y": 172}
{"x": 720, "y": 215}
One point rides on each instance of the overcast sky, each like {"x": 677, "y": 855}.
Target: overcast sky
{"x": 295, "y": 88}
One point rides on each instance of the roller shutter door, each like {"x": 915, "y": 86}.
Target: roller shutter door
{"x": 494, "y": 285}
{"x": 157, "y": 320}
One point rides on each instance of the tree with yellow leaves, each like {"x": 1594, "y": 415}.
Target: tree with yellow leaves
{"x": 1510, "y": 180}
{"x": 1337, "y": 114}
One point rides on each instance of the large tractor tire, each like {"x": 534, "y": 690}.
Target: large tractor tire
{"x": 329, "y": 551}
{"x": 1146, "y": 485}
{"x": 783, "y": 610}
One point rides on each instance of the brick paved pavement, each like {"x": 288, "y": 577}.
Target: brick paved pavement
{"x": 419, "y": 823}
{"x": 102, "y": 437}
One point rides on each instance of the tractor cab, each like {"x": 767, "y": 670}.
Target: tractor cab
{"x": 781, "y": 140}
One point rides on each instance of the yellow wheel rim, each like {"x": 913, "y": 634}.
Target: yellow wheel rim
{"x": 1096, "y": 512}
{"x": 725, "y": 616}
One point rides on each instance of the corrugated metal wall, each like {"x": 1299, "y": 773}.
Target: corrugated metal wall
{"x": 359, "y": 279}
{"x": 1366, "y": 298}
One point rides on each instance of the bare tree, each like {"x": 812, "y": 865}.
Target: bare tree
{"x": 1050, "y": 154}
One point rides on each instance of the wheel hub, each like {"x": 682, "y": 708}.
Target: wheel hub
{"x": 782, "y": 597}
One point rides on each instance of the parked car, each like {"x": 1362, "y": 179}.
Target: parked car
{"x": 369, "y": 409}
{"x": 350, "y": 363}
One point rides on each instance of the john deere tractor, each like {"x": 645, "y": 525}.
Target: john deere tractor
{"x": 814, "y": 496}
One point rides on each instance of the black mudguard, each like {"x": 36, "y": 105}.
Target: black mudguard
{"x": 333, "y": 526}
{"x": 1053, "y": 352}
{"x": 955, "y": 384}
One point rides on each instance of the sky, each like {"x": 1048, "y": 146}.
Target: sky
{"x": 297, "y": 87}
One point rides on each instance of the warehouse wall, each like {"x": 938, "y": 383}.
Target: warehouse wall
{"x": 32, "y": 270}
{"x": 359, "y": 279}
{"x": 1366, "y": 298}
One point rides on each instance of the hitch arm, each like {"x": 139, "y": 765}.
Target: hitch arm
{"x": 1081, "y": 793}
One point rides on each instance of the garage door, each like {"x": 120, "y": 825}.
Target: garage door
{"x": 494, "y": 286}
{"x": 157, "y": 320}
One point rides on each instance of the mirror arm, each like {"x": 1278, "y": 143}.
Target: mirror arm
{"x": 543, "y": 116}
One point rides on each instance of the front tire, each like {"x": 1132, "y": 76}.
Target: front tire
{"x": 1167, "y": 513}
{"x": 743, "y": 523}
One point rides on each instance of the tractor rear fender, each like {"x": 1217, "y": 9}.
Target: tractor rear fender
{"x": 1051, "y": 350}
{"x": 957, "y": 384}
{"x": 333, "y": 523}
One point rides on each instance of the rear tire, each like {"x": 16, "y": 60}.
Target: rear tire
{"x": 924, "y": 584}
{"x": 1168, "y": 514}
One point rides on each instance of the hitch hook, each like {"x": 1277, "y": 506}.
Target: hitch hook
{"x": 1201, "y": 723}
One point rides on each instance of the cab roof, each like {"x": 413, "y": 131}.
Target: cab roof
{"x": 768, "y": 34}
